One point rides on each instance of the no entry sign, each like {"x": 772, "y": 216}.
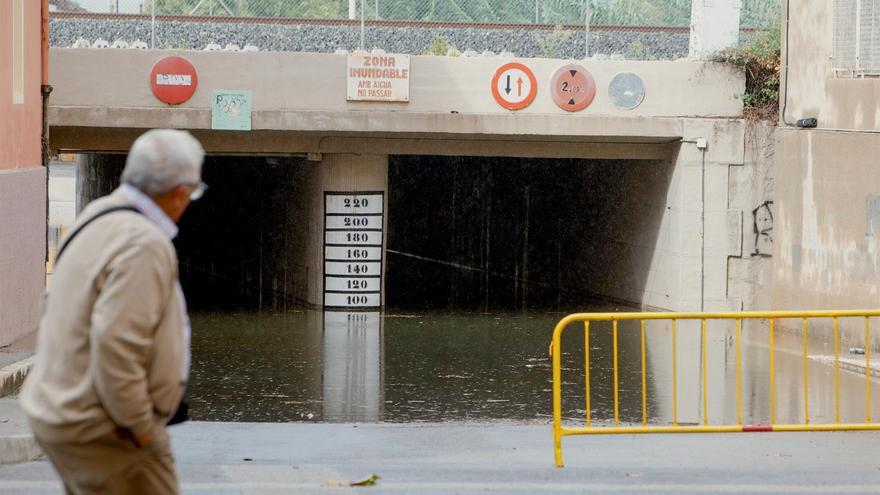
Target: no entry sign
{"x": 573, "y": 88}
{"x": 174, "y": 80}
{"x": 514, "y": 86}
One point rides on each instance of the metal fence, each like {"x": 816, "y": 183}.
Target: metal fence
{"x": 803, "y": 324}
{"x": 633, "y": 29}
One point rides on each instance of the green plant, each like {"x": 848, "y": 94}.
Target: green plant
{"x": 180, "y": 45}
{"x": 759, "y": 59}
{"x": 551, "y": 44}
{"x": 439, "y": 47}
{"x": 639, "y": 51}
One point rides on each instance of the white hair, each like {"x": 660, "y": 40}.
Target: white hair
{"x": 161, "y": 159}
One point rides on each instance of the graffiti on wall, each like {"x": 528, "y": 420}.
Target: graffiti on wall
{"x": 762, "y": 218}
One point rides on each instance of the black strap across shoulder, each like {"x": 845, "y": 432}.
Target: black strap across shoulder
{"x": 95, "y": 217}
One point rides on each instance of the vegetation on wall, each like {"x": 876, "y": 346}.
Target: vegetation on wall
{"x": 439, "y": 47}
{"x": 551, "y": 43}
{"x": 759, "y": 59}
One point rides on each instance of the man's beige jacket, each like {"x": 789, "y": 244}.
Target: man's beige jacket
{"x": 110, "y": 346}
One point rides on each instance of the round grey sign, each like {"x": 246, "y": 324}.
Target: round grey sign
{"x": 627, "y": 90}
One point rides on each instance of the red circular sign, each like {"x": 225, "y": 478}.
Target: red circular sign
{"x": 573, "y": 88}
{"x": 174, "y": 80}
{"x": 514, "y": 86}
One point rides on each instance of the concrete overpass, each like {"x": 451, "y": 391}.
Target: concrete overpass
{"x": 102, "y": 101}
{"x": 103, "y": 97}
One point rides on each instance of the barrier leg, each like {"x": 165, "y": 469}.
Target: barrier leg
{"x": 557, "y": 446}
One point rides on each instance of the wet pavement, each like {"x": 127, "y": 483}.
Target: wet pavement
{"x": 247, "y": 458}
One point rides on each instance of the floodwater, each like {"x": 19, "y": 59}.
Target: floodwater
{"x": 452, "y": 367}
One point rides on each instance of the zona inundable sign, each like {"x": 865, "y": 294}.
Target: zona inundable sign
{"x": 174, "y": 80}
{"x": 382, "y": 77}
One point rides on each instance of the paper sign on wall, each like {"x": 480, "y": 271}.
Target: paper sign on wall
{"x": 231, "y": 110}
{"x": 378, "y": 77}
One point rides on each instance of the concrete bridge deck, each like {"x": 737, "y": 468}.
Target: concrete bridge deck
{"x": 102, "y": 100}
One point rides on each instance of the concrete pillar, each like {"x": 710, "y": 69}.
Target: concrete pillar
{"x": 333, "y": 173}
{"x": 714, "y": 26}
{"x": 97, "y": 175}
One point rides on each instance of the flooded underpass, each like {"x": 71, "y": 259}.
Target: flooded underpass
{"x": 484, "y": 256}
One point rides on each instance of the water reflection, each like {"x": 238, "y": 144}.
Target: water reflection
{"x": 370, "y": 367}
{"x": 353, "y": 389}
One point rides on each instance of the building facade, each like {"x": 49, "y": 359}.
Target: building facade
{"x": 826, "y": 221}
{"x": 22, "y": 176}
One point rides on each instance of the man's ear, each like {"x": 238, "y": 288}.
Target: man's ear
{"x": 181, "y": 191}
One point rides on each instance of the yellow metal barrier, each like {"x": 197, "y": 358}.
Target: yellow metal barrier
{"x": 560, "y": 431}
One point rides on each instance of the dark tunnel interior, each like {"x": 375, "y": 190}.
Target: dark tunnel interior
{"x": 480, "y": 234}
{"x": 463, "y": 233}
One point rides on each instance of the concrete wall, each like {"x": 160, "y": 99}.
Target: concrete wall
{"x": 752, "y": 191}
{"x": 828, "y": 222}
{"x": 827, "y": 214}
{"x": 22, "y": 178}
{"x": 687, "y": 263}
{"x": 23, "y": 248}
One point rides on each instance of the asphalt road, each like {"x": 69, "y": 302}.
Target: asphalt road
{"x": 233, "y": 458}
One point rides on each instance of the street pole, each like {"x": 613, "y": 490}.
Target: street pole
{"x": 588, "y": 13}
{"x": 153, "y": 26}
{"x": 352, "y": 9}
{"x": 537, "y": 13}
{"x": 363, "y": 30}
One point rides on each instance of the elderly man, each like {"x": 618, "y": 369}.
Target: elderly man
{"x": 113, "y": 345}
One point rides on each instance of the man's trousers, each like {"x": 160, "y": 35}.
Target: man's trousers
{"x": 113, "y": 464}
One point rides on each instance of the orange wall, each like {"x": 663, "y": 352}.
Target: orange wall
{"x": 20, "y": 124}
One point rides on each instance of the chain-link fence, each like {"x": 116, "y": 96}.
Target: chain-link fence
{"x": 632, "y": 29}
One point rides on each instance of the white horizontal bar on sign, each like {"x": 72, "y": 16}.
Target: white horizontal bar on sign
{"x": 337, "y": 300}
{"x": 346, "y": 253}
{"x": 352, "y": 284}
{"x": 354, "y": 203}
{"x": 353, "y": 238}
{"x": 353, "y": 222}
{"x": 347, "y": 320}
{"x": 353, "y": 268}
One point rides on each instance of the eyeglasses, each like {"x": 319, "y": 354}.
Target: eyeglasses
{"x": 197, "y": 190}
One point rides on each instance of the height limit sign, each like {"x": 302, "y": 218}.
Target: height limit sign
{"x": 573, "y": 88}
{"x": 514, "y": 86}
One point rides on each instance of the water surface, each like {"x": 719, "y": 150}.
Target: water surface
{"x": 453, "y": 366}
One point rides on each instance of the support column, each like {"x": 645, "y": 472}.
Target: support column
{"x": 714, "y": 26}
{"x": 360, "y": 176}
{"x": 98, "y": 175}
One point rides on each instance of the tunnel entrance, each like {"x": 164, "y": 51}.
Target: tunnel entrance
{"x": 481, "y": 234}
{"x": 236, "y": 246}
{"x": 465, "y": 237}
{"x": 463, "y": 233}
